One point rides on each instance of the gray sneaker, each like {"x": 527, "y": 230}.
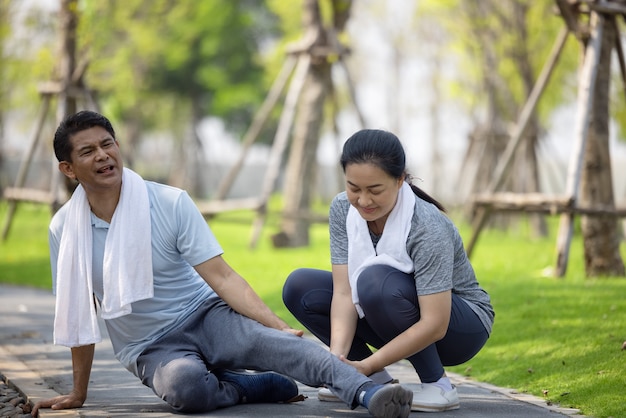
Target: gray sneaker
{"x": 260, "y": 387}
{"x": 325, "y": 395}
{"x": 387, "y": 401}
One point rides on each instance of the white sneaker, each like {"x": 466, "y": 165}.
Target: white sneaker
{"x": 431, "y": 398}
{"x": 325, "y": 395}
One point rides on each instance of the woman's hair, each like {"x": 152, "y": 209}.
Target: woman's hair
{"x": 384, "y": 150}
{"x": 73, "y": 124}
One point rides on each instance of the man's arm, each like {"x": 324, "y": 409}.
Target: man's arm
{"x": 237, "y": 293}
{"x": 82, "y": 359}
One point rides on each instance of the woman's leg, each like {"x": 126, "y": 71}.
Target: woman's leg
{"x": 389, "y": 300}
{"x": 466, "y": 335}
{"x": 307, "y": 294}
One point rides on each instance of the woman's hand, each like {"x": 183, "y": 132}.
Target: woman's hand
{"x": 362, "y": 366}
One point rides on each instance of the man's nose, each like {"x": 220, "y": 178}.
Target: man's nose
{"x": 101, "y": 154}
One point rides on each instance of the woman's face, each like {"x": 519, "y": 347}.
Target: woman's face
{"x": 371, "y": 191}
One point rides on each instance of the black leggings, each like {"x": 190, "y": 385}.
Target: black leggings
{"x": 389, "y": 299}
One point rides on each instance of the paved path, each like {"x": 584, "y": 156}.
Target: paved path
{"x": 41, "y": 370}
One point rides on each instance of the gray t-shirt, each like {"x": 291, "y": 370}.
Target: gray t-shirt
{"x": 435, "y": 246}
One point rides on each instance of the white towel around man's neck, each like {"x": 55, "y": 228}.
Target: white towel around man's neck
{"x": 391, "y": 248}
{"x": 127, "y": 264}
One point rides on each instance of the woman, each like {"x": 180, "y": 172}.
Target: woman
{"x": 401, "y": 280}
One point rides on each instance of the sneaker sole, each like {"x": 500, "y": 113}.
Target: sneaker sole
{"x": 327, "y": 397}
{"x": 434, "y": 408}
{"x": 392, "y": 401}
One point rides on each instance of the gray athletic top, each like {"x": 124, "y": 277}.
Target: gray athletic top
{"x": 435, "y": 246}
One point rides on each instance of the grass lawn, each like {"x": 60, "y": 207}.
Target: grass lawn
{"x": 560, "y": 339}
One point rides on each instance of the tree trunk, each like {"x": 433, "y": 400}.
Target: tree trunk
{"x": 530, "y": 165}
{"x": 66, "y": 103}
{"x": 301, "y": 172}
{"x": 600, "y": 233}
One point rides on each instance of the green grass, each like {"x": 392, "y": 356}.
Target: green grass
{"x": 24, "y": 254}
{"x": 559, "y": 339}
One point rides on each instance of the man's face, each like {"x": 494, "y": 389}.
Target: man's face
{"x": 96, "y": 160}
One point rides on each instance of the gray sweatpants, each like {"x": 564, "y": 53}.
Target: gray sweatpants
{"x": 178, "y": 366}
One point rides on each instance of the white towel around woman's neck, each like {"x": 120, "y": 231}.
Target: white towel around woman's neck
{"x": 391, "y": 248}
{"x": 127, "y": 264}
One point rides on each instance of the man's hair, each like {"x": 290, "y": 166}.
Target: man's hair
{"x": 73, "y": 124}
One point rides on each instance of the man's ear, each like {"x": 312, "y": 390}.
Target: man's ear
{"x": 67, "y": 169}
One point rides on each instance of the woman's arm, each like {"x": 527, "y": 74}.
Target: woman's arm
{"x": 343, "y": 314}
{"x": 432, "y": 326}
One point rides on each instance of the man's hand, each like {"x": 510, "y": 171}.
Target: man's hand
{"x": 72, "y": 400}
{"x": 296, "y": 332}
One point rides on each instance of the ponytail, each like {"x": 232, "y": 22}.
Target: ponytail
{"x": 426, "y": 197}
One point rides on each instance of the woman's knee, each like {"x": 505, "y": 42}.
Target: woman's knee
{"x": 381, "y": 284}
{"x": 186, "y": 385}
{"x": 300, "y": 283}
{"x": 294, "y": 287}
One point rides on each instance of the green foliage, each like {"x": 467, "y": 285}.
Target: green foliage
{"x": 25, "y": 58}
{"x": 554, "y": 338}
{"x": 486, "y": 41}
{"x": 290, "y": 17}
{"x": 157, "y": 61}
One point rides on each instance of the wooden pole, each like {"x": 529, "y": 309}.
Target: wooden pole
{"x": 507, "y": 157}
{"x": 352, "y": 92}
{"x": 67, "y": 89}
{"x": 258, "y": 122}
{"x": 280, "y": 143}
{"x": 584, "y": 108}
{"x": 23, "y": 171}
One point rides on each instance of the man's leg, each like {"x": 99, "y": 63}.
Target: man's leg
{"x": 176, "y": 371}
{"x": 224, "y": 339}
{"x": 179, "y": 376}
{"x": 237, "y": 342}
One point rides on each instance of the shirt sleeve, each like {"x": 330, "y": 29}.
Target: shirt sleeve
{"x": 196, "y": 241}
{"x": 431, "y": 246}
{"x": 337, "y": 228}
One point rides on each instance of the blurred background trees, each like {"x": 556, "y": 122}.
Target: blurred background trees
{"x": 183, "y": 80}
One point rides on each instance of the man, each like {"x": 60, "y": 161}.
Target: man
{"x": 179, "y": 317}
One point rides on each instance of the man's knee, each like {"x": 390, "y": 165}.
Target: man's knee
{"x": 186, "y": 386}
